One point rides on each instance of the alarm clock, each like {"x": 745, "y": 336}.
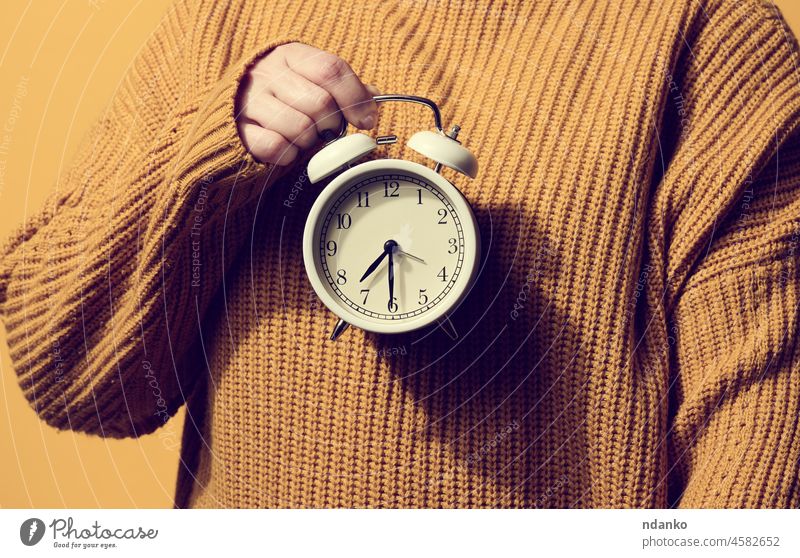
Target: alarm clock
{"x": 390, "y": 245}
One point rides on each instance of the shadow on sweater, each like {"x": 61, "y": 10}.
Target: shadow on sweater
{"x": 500, "y": 397}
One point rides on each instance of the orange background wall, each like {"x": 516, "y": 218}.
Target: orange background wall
{"x": 70, "y": 56}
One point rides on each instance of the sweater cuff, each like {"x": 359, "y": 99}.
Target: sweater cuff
{"x": 213, "y": 151}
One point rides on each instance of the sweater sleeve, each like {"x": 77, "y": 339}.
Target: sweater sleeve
{"x": 736, "y": 435}
{"x": 733, "y": 288}
{"x": 104, "y": 290}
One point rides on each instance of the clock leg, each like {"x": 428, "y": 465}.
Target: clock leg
{"x": 338, "y": 329}
{"x": 448, "y": 327}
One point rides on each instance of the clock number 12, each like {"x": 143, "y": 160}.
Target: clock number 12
{"x": 391, "y": 190}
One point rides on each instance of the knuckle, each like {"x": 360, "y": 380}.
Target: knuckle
{"x": 331, "y": 67}
{"x": 270, "y": 148}
{"x": 304, "y": 124}
{"x": 281, "y": 49}
{"x": 304, "y": 135}
{"x": 322, "y": 103}
{"x": 307, "y": 139}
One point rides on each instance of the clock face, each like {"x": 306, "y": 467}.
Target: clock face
{"x": 394, "y": 248}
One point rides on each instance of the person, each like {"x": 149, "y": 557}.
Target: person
{"x": 632, "y": 340}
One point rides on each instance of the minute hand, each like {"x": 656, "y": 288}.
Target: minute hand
{"x": 391, "y": 281}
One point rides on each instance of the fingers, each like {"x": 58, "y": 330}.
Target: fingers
{"x": 308, "y": 98}
{"x": 267, "y": 146}
{"x": 295, "y": 126}
{"x": 335, "y": 76}
{"x": 295, "y": 93}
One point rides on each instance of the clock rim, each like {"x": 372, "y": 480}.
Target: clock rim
{"x": 472, "y": 248}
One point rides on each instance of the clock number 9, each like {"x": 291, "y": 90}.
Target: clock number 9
{"x": 331, "y": 247}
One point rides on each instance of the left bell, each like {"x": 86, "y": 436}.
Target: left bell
{"x": 338, "y": 154}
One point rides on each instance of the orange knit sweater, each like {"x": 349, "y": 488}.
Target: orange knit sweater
{"x": 633, "y": 338}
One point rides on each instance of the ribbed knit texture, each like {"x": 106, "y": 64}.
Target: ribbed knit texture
{"x": 632, "y": 340}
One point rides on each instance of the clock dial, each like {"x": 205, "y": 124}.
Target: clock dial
{"x": 391, "y": 246}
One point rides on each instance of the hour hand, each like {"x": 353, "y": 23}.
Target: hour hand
{"x": 388, "y": 246}
{"x": 373, "y": 266}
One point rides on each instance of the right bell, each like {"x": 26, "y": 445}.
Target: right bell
{"x": 444, "y": 150}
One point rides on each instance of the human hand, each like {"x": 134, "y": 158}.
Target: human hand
{"x": 292, "y": 94}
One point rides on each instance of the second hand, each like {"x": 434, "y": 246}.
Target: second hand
{"x": 406, "y": 254}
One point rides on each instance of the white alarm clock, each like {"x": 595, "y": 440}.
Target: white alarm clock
{"x": 390, "y": 245}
